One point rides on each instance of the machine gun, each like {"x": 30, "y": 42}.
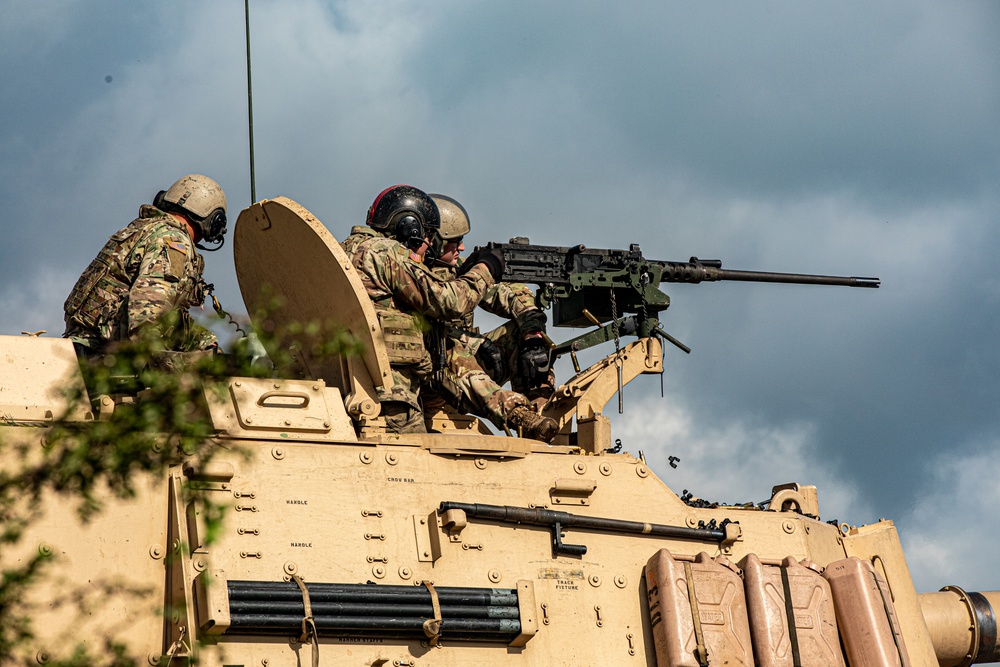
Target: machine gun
{"x": 591, "y": 286}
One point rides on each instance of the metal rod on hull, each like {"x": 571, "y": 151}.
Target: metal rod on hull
{"x": 556, "y": 521}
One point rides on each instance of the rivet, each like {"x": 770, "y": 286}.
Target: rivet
{"x": 249, "y": 420}
{"x": 42, "y": 657}
{"x": 156, "y": 552}
{"x": 366, "y": 457}
{"x": 595, "y": 580}
{"x": 291, "y": 568}
{"x": 495, "y": 576}
{"x": 788, "y": 526}
{"x": 404, "y": 572}
{"x": 621, "y": 581}
{"x": 580, "y": 467}
{"x": 378, "y": 571}
{"x": 200, "y": 564}
{"x": 691, "y": 521}
{"x": 605, "y": 469}
{"x": 278, "y": 453}
{"x": 238, "y": 384}
{"x": 153, "y": 658}
{"x": 641, "y": 471}
{"x": 391, "y": 459}
{"x": 326, "y": 424}
{"x": 288, "y": 422}
{"x": 45, "y": 549}
{"x": 481, "y": 464}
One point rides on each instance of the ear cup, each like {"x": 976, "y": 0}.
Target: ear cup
{"x": 158, "y": 199}
{"x": 409, "y": 231}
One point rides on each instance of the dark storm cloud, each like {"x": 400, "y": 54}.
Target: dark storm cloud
{"x": 770, "y": 98}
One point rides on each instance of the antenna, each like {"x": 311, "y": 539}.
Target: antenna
{"x": 253, "y": 181}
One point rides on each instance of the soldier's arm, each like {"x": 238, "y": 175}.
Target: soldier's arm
{"x": 509, "y": 300}
{"x": 416, "y": 286}
{"x": 156, "y": 289}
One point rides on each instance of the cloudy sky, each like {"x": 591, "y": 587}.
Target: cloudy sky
{"x": 850, "y": 138}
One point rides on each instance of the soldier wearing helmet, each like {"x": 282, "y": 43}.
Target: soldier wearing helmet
{"x": 389, "y": 253}
{"x": 475, "y": 366}
{"x": 148, "y": 274}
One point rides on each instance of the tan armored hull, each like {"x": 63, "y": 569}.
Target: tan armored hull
{"x": 342, "y": 541}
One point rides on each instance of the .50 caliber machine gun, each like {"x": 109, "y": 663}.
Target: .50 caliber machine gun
{"x": 618, "y": 290}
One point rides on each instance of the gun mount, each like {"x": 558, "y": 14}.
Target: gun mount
{"x": 349, "y": 545}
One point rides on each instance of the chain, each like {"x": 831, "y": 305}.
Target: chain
{"x": 618, "y": 350}
{"x": 644, "y": 281}
{"x": 614, "y": 324}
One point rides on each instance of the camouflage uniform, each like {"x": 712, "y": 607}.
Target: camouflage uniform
{"x": 463, "y": 381}
{"x": 405, "y": 294}
{"x": 146, "y": 272}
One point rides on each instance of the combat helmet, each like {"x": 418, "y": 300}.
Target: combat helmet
{"x": 202, "y": 200}
{"x": 454, "y": 218}
{"x": 406, "y": 214}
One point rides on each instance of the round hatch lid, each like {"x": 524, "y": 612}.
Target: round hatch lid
{"x": 291, "y": 268}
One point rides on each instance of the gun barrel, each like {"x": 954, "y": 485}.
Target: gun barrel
{"x": 709, "y": 270}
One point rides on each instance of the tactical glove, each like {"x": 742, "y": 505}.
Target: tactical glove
{"x": 533, "y": 361}
{"x": 491, "y": 257}
{"x": 489, "y": 357}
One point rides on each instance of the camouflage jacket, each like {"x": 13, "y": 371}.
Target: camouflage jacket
{"x": 144, "y": 272}
{"x": 406, "y": 294}
{"x": 511, "y": 301}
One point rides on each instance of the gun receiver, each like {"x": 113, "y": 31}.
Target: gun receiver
{"x": 587, "y": 284}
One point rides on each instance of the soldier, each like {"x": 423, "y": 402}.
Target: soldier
{"x": 148, "y": 274}
{"x": 389, "y": 256}
{"x": 476, "y": 366}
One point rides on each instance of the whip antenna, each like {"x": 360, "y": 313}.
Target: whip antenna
{"x": 253, "y": 184}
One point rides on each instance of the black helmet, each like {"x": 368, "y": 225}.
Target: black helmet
{"x": 405, "y": 213}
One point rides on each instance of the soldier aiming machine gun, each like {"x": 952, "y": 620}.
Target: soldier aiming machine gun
{"x": 588, "y": 286}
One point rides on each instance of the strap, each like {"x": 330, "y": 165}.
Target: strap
{"x": 793, "y": 633}
{"x": 308, "y": 624}
{"x": 432, "y": 626}
{"x": 888, "y": 617}
{"x": 700, "y": 652}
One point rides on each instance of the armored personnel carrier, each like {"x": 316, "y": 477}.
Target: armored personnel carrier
{"x": 342, "y": 544}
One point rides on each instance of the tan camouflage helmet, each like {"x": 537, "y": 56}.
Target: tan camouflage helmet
{"x": 454, "y": 218}
{"x": 202, "y": 198}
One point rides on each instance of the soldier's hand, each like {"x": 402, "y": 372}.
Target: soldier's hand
{"x": 489, "y": 357}
{"x": 533, "y": 361}
{"x": 491, "y": 257}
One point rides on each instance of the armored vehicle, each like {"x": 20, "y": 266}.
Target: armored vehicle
{"x": 343, "y": 544}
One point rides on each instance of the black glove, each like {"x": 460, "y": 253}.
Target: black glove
{"x": 492, "y": 257}
{"x": 489, "y": 357}
{"x": 533, "y": 362}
